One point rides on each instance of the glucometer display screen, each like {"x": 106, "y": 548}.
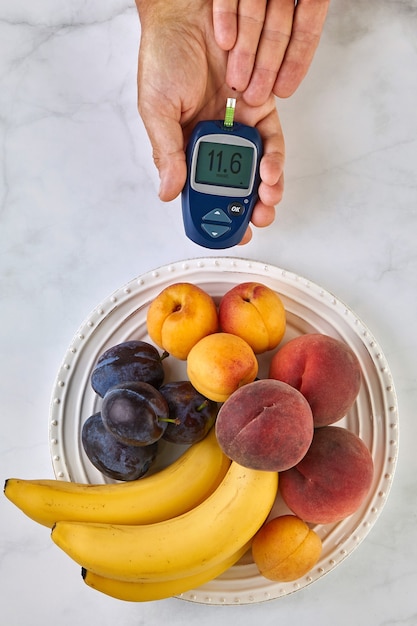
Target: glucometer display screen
{"x": 224, "y": 165}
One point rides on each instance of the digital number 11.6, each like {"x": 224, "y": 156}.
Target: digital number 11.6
{"x": 216, "y": 159}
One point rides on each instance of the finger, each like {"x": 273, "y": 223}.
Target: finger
{"x": 271, "y": 170}
{"x": 167, "y": 141}
{"x": 225, "y": 23}
{"x": 273, "y": 43}
{"x": 251, "y": 15}
{"x": 246, "y": 237}
{"x": 263, "y": 215}
{"x": 271, "y": 195}
{"x": 172, "y": 173}
{"x": 309, "y": 19}
{"x": 272, "y": 178}
{"x": 273, "y": 159}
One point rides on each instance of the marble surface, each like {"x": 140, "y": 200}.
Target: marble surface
{"x": 80, "y": 217}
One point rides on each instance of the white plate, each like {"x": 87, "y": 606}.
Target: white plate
{"x": 374, "y": 416}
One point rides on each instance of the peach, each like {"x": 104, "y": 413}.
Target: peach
{"x": 285, "y": 548}
{"x": 219, "y": 364}
{"x": 265, "y": 425}
{"x": 324, "y": 369}
{"x": 254, "y": 312}
{"x": 333, "y": 478}
{"x": 180, "y": 316}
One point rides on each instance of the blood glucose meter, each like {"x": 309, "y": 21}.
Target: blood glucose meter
{"x": 222, "y": 181}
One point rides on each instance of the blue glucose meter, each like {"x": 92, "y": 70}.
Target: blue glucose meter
{"x": 222, "y": 181}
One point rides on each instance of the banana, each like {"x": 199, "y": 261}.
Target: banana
{"x": 181, "y": 546}
{"x": 147, "y": 591}
{"x": 181, "y": 486}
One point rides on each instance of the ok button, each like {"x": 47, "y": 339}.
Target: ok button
{"x": 236, "y": 209}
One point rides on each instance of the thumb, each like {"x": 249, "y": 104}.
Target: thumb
{"x": 167, "y": 140}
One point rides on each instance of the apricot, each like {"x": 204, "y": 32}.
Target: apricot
{"x": 285, "y": 548}
{"x": 219, "y": 364}
{"x": 324, "y": 369}
{"x": 265, "y": 425}
{"x": 333, "y": 478}
{"x": 254, "y": 312}
{"x": 179, "y": 316}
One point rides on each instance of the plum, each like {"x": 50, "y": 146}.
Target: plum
{"x": 112, "y": 457}
{"x": 192, "y": 413}
{"x": 135, "y": 413}
{"x": 125, "y": 362}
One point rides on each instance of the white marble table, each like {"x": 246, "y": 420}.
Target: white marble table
{"x": 79, "y": 217}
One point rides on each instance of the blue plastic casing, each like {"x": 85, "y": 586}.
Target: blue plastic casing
{"x": 217, "y": 215}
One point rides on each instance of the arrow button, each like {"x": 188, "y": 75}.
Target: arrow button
{"x": 218, "y": 216}
{"x": 215, "y": 230}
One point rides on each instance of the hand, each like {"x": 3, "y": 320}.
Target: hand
{"x": 181, "y": 80}
{"x": 271, "y": 43}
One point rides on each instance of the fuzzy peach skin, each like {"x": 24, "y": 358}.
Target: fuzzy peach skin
{"x": 285, "y": 548}
{"x": 332, "y": 480}
{"x": 254, "y": 312}
{"x": 265, "y": 425}
{"x": 180, "y": 316}
{"x": 219, "y": 364}
{"x": 324, "y": 369}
